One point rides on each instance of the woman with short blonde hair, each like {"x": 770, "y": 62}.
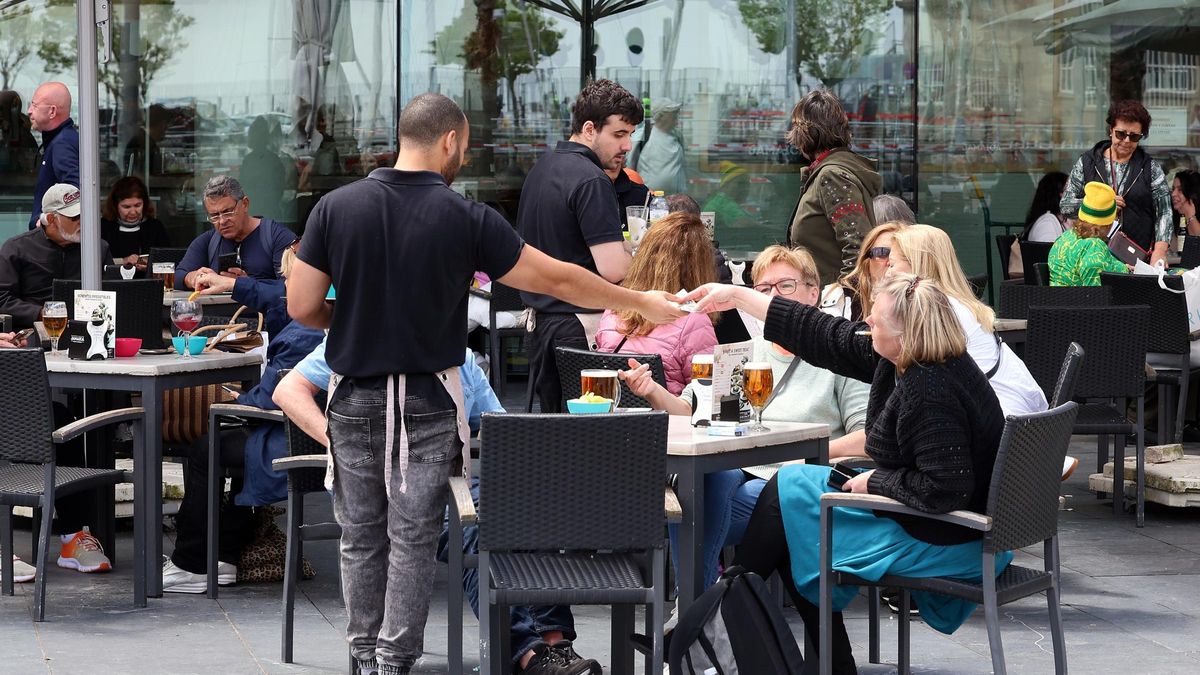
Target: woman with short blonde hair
{"x": 927, "y": 251}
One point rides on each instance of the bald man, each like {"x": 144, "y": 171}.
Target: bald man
{"x": 50, "y": 113}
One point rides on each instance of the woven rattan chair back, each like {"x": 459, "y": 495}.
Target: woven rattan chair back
{"x": 1114, "y": 340}
{"x": 571, "y": 361}
{"x": 1032, "y": 253}
{"x": 1041, "y": 274}
{"x": 163, "y": 255}
{"x": 139, "y": 306}
{"x": 1169, "y": 327}
{"x": 572, "y": 482}
{"x": 300, "y": 443}
{"x": 26, "y": 419}
{"x": 1004, "y": 244}
{"x": 505, "y": 299}
{"x": 1068, "y": 376}
{"x": 1190, "y": 257}
{"x": 1027, "y": 477}
{"x": 1016, "y": 299}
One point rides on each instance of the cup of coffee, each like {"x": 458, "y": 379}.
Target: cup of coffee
{"x": 702, "y": 366}
{"x": 601, "y": 383}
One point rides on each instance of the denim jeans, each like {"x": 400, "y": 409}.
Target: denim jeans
{"x": 527, "y": 623}
{"x": 387, "y": 548}
{"x": 729, "y": 498}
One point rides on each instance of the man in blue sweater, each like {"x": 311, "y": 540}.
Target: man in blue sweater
{"x": 50, "y": 113}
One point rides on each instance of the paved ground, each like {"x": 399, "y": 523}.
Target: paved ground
{"x": 1132, "y": 605}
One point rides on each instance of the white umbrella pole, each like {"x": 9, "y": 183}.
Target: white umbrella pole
{"x": 87, "y": 12}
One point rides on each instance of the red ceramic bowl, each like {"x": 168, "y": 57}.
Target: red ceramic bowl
{"x": 128, "y": 346}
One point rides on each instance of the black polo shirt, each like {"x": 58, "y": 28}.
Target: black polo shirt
{"x": 568, "y": 205}
{"x": 401, "y": 248}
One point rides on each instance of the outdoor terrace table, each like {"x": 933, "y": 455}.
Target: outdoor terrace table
{"x": 151, "y": 375}
{"x": 1011, "y": 330}
{"x": 218, "y": 299}
{"x": 692, "y": 453}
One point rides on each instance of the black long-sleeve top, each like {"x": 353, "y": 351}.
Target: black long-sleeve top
{"x": 29, "y": 264}
{"x": 933, "y": 430}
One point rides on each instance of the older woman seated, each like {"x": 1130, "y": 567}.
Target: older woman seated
{"x": 1081, "y": 253}
{"x": 933, "y": 428}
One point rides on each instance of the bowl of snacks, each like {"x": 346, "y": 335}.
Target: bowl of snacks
{"x": 589, "y": 404}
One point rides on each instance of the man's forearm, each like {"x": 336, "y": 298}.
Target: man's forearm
{"x": 301, "y": 409}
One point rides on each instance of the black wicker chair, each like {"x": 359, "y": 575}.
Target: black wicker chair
{"x": 1068, "y": 376}
{"x": 1016, "y": 299}
{"x": 1169, "y": 349}
{"x": 1033, "y": 253}
{"x": 1190, "y": 256}
{"x": 1022, "y": 510}
{"x": 602, "y": 542}
{"x": 1004, "y": 243}
{"x": 30, "y": 477}
{"x": 139, "y": 306}
{"x": 1114, "y": 372}
{"x": 1041, "y": 274}
{"x": 571, "y": 361}
{"x": 165, "y": 255}
{"x": 504, "y": 299}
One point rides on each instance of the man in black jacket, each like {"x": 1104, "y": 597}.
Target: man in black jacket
{"x": 50, "y": 113}
{"x": 30, "y": 262}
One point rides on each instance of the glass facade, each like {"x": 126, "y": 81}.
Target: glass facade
{"x": 964, "y": 104}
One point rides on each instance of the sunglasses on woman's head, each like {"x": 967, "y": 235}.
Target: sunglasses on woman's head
{"x": 879, "y": 252}
{"x": 1128, "y": 135}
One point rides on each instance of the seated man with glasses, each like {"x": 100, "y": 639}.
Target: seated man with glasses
{"x": 241, "y": 246}
{"x": 803, "y": 393}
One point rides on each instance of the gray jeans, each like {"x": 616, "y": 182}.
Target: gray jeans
{"x": 388, "y": 549}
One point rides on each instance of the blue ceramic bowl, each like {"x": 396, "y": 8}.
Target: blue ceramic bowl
{"x": 577, "y": 407}
{"x": 195, "y": 344}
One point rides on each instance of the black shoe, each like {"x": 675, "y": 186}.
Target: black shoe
{"x": 560, "y": 659}
{"x": 891, "y": 597}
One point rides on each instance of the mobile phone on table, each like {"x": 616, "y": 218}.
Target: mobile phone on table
{"x": 839, "y": 475}
{"x": 226, "y": 261}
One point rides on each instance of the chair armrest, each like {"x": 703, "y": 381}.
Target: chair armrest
{"x": 300, "y": 462}
{"x": 91, "y": 422}
{"x": 975, "y": 521}
{"x": 460, "y": 493}
{"x": 245, "y": 411}
{"x": 671, "y": 506}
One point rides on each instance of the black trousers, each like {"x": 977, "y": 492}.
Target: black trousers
{"x": 764, "y": 551}
{"x": 550, "y": 331}
{"x": 191, "y": 523}
{"x": 73, "y": 511}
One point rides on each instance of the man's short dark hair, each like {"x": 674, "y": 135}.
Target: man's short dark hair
{"x": 428, "y": 117}
{"x": 601, "y": 98}
{"x": 1130, "y": 111}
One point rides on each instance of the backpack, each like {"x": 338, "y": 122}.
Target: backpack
{"x": 734, "y": 628}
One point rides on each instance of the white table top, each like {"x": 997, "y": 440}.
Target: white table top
{"x": 145, "y": 365}
{"x": 684, "y": 439}
{"x": 218, "y": 299}
{"x": 1010, "y": 324}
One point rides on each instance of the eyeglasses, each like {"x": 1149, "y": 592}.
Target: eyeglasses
{"x": 215, "y": 218}
{"x": 1123, "y": 135}
{"x": 783, "y": 286}
{"x": 878, "y": 252}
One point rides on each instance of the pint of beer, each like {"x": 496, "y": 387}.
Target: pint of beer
{"x": 702, "y": 366}
{"x": 166, "y": 272}
{"x": 601, "y": 383}
{"x": 758, "y": 381}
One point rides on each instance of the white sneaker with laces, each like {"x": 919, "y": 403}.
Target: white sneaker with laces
{"x": 23, "y": 572}
{"x": 179, "y": 580}
{"x": 226, "y": 574}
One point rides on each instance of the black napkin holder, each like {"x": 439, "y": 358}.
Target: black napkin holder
{"x": 79, "y": 342}
{"x": 731, "y": 408}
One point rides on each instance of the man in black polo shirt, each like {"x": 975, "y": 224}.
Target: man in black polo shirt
{"x": 401, "y": 248}
{"x": 569, "y": 209}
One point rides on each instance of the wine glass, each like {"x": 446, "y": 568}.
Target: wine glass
{"x": 186, "y": 315}
{"x": 54, "y": 318}
{"x": 757, "y": 382}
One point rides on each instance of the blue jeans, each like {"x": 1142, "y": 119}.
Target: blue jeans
{"x": 729, "y": 499}
{"x": 528, "y": 623}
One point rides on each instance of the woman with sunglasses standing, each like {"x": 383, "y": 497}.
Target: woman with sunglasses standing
{"x": 1143, "y": 195}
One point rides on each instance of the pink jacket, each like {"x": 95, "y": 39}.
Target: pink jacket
{"x": 676, "y": 342}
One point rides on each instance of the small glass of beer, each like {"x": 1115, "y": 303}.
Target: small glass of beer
{"x": 757, "y": 381}
{"x": 601, "y": 383}
{"x": 166, "y": 272}
{"x": 54, "y": 318}
{"x": 702, "y": 366}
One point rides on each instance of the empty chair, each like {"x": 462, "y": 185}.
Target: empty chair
{"x": 1113, "y": 373}
{"x": 571, "y": 361}
{"x": 1022, "y": 510}
{"x": 1032, "y": 253}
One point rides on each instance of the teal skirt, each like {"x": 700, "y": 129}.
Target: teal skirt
{"x": 869, "y": 546}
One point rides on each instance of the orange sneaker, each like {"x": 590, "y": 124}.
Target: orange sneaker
{"x": 84, "y": 553}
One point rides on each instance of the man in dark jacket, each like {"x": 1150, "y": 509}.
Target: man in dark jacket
{"x": 30, "y": 262}
{"x": 50, "y": 113}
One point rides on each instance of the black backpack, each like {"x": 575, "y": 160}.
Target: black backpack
{"x": 734, "y": 628}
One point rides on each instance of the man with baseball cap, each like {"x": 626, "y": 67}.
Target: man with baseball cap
{"x": 30, "y": 262}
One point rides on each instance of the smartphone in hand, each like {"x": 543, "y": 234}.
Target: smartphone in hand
{"x": 839, "y": 476}
{"x": 226, "y": 261}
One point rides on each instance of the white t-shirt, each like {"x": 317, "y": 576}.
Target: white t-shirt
{"x": 1014, "y": 386}
{"x": 1046, "y": 228}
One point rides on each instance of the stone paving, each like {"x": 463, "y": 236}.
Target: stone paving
{"x": 1131, "y": 605}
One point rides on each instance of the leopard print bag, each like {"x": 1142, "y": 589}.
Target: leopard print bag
{"x": 264, "y": 557}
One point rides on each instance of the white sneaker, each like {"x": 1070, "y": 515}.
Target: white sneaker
{"x": 226, "y": 573}
{"x": 1069, "y": 464}
{"x": 23, "y": 572}
{"x": 179, "y": 580}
